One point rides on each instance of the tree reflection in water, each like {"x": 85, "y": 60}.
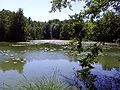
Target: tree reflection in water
{"x": 87, "y": 79}
{"x": 9, "y": 64}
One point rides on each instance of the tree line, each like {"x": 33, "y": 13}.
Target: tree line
{"x": 15, "y": 27}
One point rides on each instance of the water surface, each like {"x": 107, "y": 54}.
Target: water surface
{"x": 34, "y": 62}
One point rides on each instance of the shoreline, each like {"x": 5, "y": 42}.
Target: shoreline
{"x": 63, "y": 42}
{"x": 58, "y": 42}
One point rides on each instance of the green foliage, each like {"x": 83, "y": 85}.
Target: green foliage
{"x": 16, "y": 32}
{"x": 65, "y": 30}
{"x": 92, "y": 8}
{"x": 2, "y": 30}
{"x": 101, "y": 20}
{"x": 98, "y": 22}
{"x": 55, "y": 28}
{"x": 107, "y": 28}
{"x": 46, "y": 31}
{"x": 5, "y": 20}
{"x": 16, "y": 27}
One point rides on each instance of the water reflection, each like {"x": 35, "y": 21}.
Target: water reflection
{"x": 9, "y": 64}
{"x": 87, "y": 79}
{"x": 105, "y": 75}
{"x": 37, "y": 61}
{"x": 109, "y": 62}
{"x": 45, "y": 55}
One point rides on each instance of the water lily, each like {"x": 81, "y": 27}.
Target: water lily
{"x": 18, "y": 59}
{"x": 14, "y": 62}
{"x": 22, "y": 61}
{"x": 6, "y": 61}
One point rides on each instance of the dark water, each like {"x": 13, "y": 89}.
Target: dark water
{"x": 34, "y": 62}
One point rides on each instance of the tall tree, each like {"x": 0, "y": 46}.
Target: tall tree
{"x": 2, "y": 30}
{"x": 16, "y": 32}
{"x": 93, "y": 10}
{"x": 65, "y": 30}
{"x": 55, "y": 27}
{"x": 46, "y": 31}
{"x": 107, "y": 28}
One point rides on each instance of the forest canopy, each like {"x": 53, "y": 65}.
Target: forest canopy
{"x": 99, "y": 21}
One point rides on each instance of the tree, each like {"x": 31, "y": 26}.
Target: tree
{"x": 16, "y": 32}
{"x": 65, "y": 30}
{"x": 2, "y": 30}
{"x": 6, "y": 17}
{"x": 46, "y": 31}
{"x": 107, "y": 29}
{"x": 55, "y": 28}
{"x": 92, "y": 8}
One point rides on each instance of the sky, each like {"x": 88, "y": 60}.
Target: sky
{"x": 39, "y": 9}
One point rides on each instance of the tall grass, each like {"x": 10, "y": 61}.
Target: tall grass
{"x": 46, "y": 84}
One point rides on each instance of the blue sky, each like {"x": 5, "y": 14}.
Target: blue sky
{"x": 39, "y": 9}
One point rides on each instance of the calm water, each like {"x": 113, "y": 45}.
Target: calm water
{"x": 34, "y": 62}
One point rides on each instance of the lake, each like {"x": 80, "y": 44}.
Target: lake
{"x": 33, "y": 62}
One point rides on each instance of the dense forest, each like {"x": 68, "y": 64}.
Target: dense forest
{"x": 15, "y": 27}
